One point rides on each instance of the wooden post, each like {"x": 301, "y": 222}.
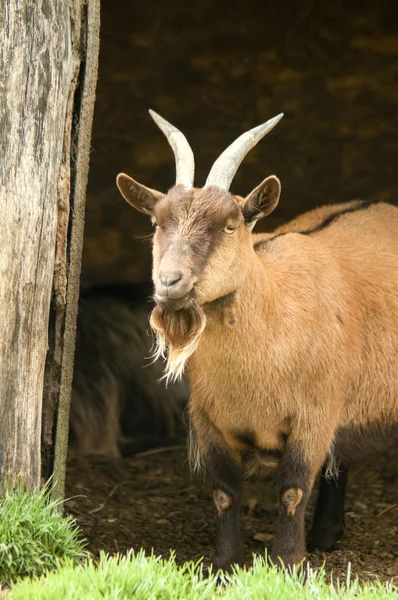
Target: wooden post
{"x": 39, "y": 65}
{"x": 68, "y": 266}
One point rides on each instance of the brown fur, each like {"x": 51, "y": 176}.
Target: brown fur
{"x": 323, "y": 345}
{"x": 305, "y": 344}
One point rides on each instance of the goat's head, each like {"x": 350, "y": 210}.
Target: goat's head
{"x": 203, "y": 235}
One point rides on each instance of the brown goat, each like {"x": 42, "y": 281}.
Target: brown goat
{"x": 289, "y": 340}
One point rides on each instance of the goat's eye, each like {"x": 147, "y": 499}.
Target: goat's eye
{"x": 229, "y": 229}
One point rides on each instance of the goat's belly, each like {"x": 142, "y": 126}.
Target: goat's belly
{"x": 257, "y": 446}
{"x": 249, "y": 430}
{"x": 360, "y": 443}
{"x": 368, "y": 423}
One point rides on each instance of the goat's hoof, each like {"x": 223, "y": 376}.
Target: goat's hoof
{"x": 288, "y": 560}
{"x": 225, "y": 565}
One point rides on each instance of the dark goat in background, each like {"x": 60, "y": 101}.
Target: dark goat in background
{"x": 118, "y": 404}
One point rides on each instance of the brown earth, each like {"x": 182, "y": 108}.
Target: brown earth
{"x": 151, "y": 501}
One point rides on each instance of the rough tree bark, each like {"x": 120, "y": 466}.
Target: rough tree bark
{"x": 38, "y": 64}
{"x": 70, "y": 246}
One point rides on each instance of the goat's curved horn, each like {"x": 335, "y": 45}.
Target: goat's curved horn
{"x": 224, "y": 169}
{"x": 185, "y": 162}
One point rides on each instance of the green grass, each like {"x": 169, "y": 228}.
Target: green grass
{"x": 148, "y": 578}
{"x": 34, "y": 536}
{"x": 42, "y": 558}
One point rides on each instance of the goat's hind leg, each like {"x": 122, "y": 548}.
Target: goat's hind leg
{"x": 328, "y": 524}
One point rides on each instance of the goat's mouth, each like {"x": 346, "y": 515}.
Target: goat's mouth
{"x": 173, "y": 304}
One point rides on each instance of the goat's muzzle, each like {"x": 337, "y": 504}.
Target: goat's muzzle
{"x": 173, "y": 290}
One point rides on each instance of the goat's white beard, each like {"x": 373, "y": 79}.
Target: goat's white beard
{"x": 177, "y": 337}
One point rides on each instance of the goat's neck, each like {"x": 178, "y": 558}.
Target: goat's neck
{"x": 234, "y": 324}
{"x": 250, "y": 296}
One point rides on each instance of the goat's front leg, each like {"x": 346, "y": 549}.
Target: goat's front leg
{"x": 227, "y": 487}
{"x": 298, "y": 468}
{"x": 294, "y": 488}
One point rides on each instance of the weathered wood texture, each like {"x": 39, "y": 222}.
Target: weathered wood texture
{"x": 80, "y": 155}
{"x": 72, "y": 183}
{"x": 216, "y": 68}
{"x": 36, "y": 69}
{"x": 52, "y": 374}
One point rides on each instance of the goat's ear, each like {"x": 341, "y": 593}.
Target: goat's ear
{"x": 142, "y": 198}
{"x": 261, "y": 201}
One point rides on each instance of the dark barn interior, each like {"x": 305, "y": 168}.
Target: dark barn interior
{"x": 215, "y": 70}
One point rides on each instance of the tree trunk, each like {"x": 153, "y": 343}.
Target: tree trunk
{"x": 70, "y": 245}
{"x": 38, "y": 65}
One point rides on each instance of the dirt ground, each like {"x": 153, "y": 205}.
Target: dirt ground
{"x": 151, "y": 501}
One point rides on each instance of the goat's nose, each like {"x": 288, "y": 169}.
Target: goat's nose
{"x": 170, "y": 278}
